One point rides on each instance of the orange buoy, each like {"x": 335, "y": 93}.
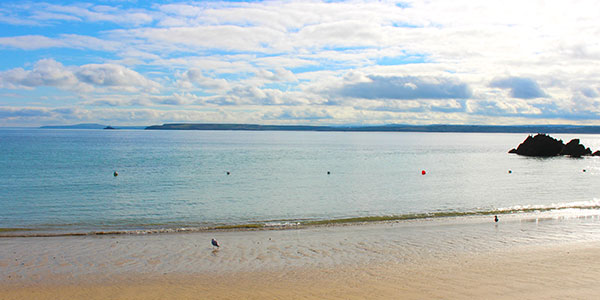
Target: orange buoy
{"x": 423, "y": 172}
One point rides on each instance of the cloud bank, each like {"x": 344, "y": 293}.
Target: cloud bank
{"x": 50, "y": 73}
{"x": 299, "y": 62}
{"x": 523, "y": 88}
{"x": 406, "y": 87}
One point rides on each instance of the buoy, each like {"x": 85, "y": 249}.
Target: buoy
{"x": 583, "y": 170}
{"x": 228, "y": 173}
{"x": 423, "y": 172}
{"x": 509, "y": 171}
{"x": 115, "y": 174}
{"x": 328, "y": 172}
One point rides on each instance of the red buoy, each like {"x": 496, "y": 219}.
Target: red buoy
{"x": 423, "y": 172}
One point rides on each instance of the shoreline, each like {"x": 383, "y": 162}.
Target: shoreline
{"x": 535, "y": 211}
{"x": 527, "y": 272}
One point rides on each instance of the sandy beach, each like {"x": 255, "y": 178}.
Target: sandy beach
{"x": 442, "y": 259}
{"x": 558, "y": 272}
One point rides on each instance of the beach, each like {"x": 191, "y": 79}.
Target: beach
{"x": 568, "y": 271}
{"x": 305, "y": 264}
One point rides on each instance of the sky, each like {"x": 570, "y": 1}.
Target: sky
{"x": 128, "y": 62}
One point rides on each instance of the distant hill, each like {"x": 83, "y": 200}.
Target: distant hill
{"x": 382, "y": 128}
{"x": 90, "y": 126}
{"x": 250, "y": 127}
{"x": 392, "y": 128}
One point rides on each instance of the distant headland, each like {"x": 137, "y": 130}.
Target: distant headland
{"x": 90, "y": 126}
{"x": 384, "y": 128}
{"x": 76, "y": 126}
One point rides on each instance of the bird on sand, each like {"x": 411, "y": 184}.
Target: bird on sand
{"x": 214, "y": 243}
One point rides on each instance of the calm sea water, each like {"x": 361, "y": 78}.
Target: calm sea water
{"x": 62, "y": 180}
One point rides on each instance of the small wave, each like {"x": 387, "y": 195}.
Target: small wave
{"x": 18, "y": 232}
{"x": 590, "y": 204}
{"x": 290, "y": 224}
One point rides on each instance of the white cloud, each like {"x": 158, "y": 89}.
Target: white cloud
{"x": 226, "y": 37}
{"x": 278, "y": 74}
{"x": 351, "y": 33}
{"x": 48, "y": 72}
{"x": 98, "y": 13}
{"x": 115, "y": 76}
{"x": 30, "y": 42}
{"x": 195, "y": 77}
{"x": 35, "y": 42}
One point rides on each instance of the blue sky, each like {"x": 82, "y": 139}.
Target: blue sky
{"x": 299, "y": 62}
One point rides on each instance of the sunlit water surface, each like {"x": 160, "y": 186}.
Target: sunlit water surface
{"x": 62, "y": 180}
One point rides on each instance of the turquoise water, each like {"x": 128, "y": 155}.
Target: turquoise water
{"x": 62, "y": 180}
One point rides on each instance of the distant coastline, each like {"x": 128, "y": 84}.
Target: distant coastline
{"x": 385, "y": 128}
{"x": 348, "y": 128}
{"x": 90, "y": 126}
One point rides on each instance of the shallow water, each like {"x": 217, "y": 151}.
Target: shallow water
{"x": 62, "y": 180}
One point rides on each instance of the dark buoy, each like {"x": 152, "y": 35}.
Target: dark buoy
{"x": 328, "y": 173}
{"x": 496, "y": 219}
{"x": 583, "y": 170}
{"x": 423, "y": 172}
{"x": 228, "y": 173}
{"x": 509, "y": 171}
{"x": 115, "y": 174}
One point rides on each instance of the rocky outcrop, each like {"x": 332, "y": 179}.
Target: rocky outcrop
{"x": 574, "y": 148}
{"x": 542, "y": 145}
{"x": 539, "y": 145}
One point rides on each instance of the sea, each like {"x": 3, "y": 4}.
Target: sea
{"x": 62, "y": 181}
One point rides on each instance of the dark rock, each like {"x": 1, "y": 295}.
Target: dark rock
{"x": 597, "y": 153}
{"x": 575, "y": 149}
{"x": 540, "y": 145}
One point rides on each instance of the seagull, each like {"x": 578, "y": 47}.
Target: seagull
{"x": 214, "y": 243}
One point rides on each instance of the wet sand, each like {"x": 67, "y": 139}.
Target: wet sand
{"x": 532, "y": 272}
{"x": 532, "y": 257}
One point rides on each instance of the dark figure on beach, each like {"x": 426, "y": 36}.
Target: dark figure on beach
{"x": 214, "y": 243}
{"x": 496, "y": 219}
